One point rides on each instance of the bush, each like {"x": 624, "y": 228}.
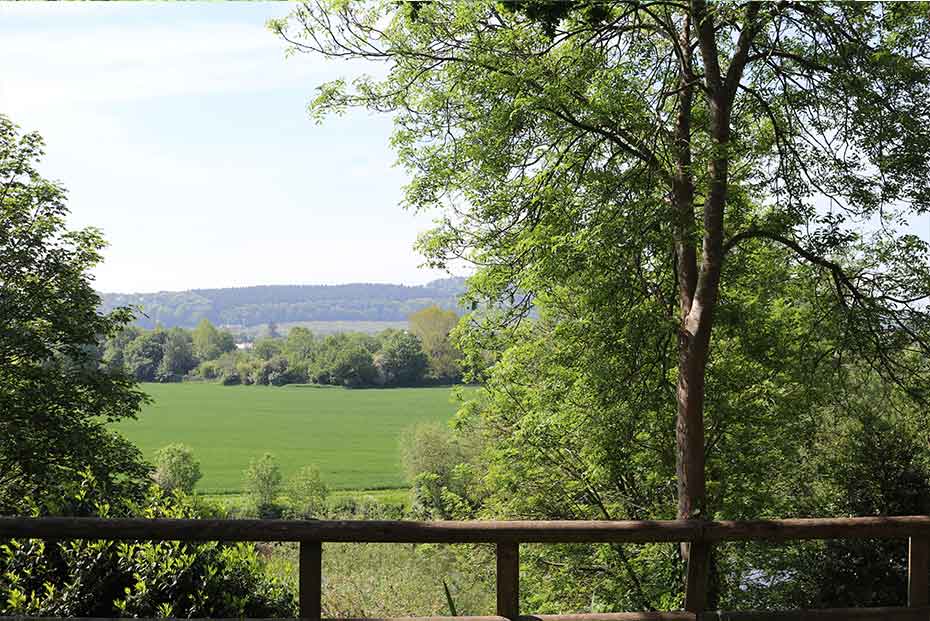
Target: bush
{"x": 232, "y": 379}
{"x": 437, "y": 466}
{"x": 176, "y": 468}
{"x": 263, "y": 482}
{"x": 306, "y": 493}
{"x": 136, "y": 579}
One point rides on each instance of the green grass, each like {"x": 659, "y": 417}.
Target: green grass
{"x": 388, "y": 496}
{"x": 352, "y": 435}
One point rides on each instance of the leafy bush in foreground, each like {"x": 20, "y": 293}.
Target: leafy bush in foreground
{"x": 141, "y": 579}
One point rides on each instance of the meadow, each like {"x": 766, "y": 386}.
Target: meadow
{"x": 352, "y": 435}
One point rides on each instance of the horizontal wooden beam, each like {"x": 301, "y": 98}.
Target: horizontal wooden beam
{"x": 897, "y": 527}
{"x": 828, "y": 614}
{"x": 823, "y": 614}
{"x": 463, "y": 532}
{"x": 601, "y": 616}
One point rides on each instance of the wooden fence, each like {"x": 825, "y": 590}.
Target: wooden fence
{"x": 509, "y": 535}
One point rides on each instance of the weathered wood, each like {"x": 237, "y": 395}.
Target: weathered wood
{"x": 464, "y": 532}
{"x": 897, "y": 527}
{"x": 310, "y": 583}
{"x": 918, "y": 571}
{"x": 696, "y": 578}
{"x": 508, "y": 580}
{"x": 599, "y": 616}
{"x": 352, "y": 530}
{"x": 830, "y": 614}
{"x": 676, "y": 615}
{"x": 825, "y": 614}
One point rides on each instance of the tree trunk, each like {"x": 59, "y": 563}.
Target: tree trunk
{"x": 689, "y": 431}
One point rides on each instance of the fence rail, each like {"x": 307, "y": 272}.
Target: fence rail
{"x": 508, "y": 536}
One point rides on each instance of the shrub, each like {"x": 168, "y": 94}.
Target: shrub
{"x": 136, "y": 579}
{"x": 176, "y": 468}
{"x": 306, "y": 493}
{"x": 263, "y": 482}
{"x": 437, "y": 466}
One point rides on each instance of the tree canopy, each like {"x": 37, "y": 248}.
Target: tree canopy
{"x": 55, "y": 398}
{"x": 708, "y": 202}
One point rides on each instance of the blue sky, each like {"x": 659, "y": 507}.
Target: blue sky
{"x": 181, "y": 131}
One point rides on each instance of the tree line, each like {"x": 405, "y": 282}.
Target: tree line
{"x": 252, "y": 306}
{"x": 422, "y": 355}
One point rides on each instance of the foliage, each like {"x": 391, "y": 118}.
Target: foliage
{"x": 141, "y": 579}
{"x": 263, "y": 483}
{"x": 351, "y": 359}
{"x": 707, "y": 204}
{"x": 55, "y": 399}
{"x": 306, "y": 493}
{"x": 434, "y": 461}
{"x": 433, "y": 325}
{"x": 351, "y": 366}
{"x": 210, "y": 343}
{"x": 401, "y": 361}
{"x": 176, "y": 468}
{"x": 161, "y": 355}
{"x": 177, "y": 358}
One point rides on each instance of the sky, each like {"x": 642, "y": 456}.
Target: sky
{"x": 182, "y": 132}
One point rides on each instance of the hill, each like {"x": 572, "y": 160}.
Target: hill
{"x": 252, "y": 306}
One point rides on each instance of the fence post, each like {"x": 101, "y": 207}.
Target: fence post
{"x": 918, "y": 571}
{"x": 696, "y": 579}
{"x": 310, "y": 582}
{"x": 508, "y": 580}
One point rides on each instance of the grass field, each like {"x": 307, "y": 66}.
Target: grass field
{"x": 352, "y": 435}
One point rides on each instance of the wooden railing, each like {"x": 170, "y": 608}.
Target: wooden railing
{"x": 509, "y": 535}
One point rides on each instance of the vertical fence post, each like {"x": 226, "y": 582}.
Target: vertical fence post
{"x": 918, "y": 571}
{"x": 696, "y": 579}
{"x": 310, "y": 584}
{"x": 508, "y": 580}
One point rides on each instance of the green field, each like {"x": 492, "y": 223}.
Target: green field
{"x": 352, "y": 435}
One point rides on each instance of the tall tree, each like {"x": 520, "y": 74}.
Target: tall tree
{"x": 665, "y": 139}
{"x": 55, "y": 397}
{"x": 209, "y": 343}
{"x": 401, "y": 360}
{"x": 433, "y": 327}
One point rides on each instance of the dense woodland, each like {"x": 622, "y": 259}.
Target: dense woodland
{"x": 251, "y": 306}
{"x": 709, "y": 206}
{"x": 422, "y": 355}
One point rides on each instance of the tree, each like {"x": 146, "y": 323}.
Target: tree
{"x": 143, "y": 355}
{"x": 353, "y": 367}
{"x": 668, "y": 142}
{"x": 263, "y": 482}
{"x": 307, "y": 493}
{"x": 209, "y": 343}
{"x": 176, "y": 468}
{"x": 267, "y": 348}
{"x": 401, "y": 360}
{"x": 177, "y": 358}
{"x": 432, "y": 326}
{"x": 56, "y": 399}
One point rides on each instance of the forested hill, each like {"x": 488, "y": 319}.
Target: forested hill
{"x": 250, "y": 306}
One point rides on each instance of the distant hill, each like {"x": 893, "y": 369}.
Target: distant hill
{"x": 252, "y": 306}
